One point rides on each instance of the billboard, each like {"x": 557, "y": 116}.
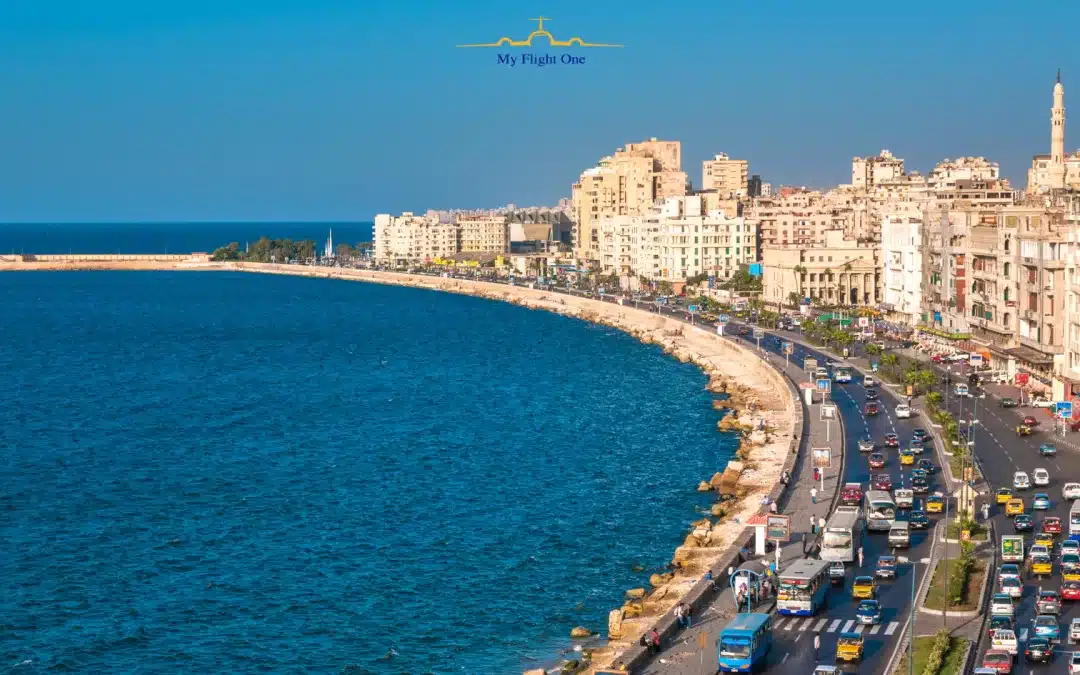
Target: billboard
{"x": 778, "y": 528}
{"x": 1022, "y": 379}
{"x": 821, "y": 458}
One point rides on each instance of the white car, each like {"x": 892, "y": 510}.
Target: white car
{"x": 1042, "y": 403}
{"x": 903, "y": 411}
{"x": 1074, "y": 631}
{"x": 1039, "y": 550}
{"x": 1002, "y": 604}
{"x": 1071, "y": 491}
{"x": 1074, "y": 662}
{"x": 957, "y": 357}
{"x": 869, "y": 381}
{"x": 1040, "y": 476}
{"x": 1005, "y": 639}
{"x": 1021, "y": 480}
{"x": 1069, "y": 546}
{"x": 960, "y": 389}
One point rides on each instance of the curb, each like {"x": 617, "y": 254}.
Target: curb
{"x": 920, "y": 593}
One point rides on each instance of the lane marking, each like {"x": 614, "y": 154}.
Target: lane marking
{"x": 874, "y": 630}
{"x": 834, "y": 625}
{"x": 819, "y": 624}
{"x": 780, "y": 624}
{"x": 848, "y": 625}
{"x": 860, "y": 628}
{"x": 892, "y": 627}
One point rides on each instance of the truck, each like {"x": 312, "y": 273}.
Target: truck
{"x": 1012, "y": 548}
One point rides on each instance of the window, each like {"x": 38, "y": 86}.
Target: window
{"x": 1033, "y": 301}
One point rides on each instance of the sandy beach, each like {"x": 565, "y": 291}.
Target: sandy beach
{"x": 757, "y": 396}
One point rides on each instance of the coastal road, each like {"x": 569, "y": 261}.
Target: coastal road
{"x": 1001, "y": 452}
{"x": 794, "y": 636}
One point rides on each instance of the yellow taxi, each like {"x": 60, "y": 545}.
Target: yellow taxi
{"x": 1004, "y": 495}
{"x": 1044, "y": 539}
{"x": 863, "y": 588}
{"x": 849, "y": 647}
{"x": 935, "y": 503}
{"x": 1042, "y": 565}
{"x": 1071, "y": 573}
{"x": 907, "y": 456}
{"x": 1014, "y": 507}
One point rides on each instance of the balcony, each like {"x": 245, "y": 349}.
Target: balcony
{"x": 1030, "y": 314}
{"x": 1038, "y": 346}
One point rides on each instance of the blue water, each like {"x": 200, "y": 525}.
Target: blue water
{"x": 163, "y": 237}
{"x": 218, "y": 472}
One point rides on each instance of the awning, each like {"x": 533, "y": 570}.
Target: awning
{"x": 1029, "y": 355}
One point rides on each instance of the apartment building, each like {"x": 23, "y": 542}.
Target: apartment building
{"x": 901, "y": 259}
{"x": 624, "y": 184}
{"x": 949, "y": 171}
{"x": 869, "y": 171}
{"x": 729, "y": 177}
{"x": 411, "y": 238}
{"x": 840, "y": 271}
{"x": 796, "y": 218}
{"x": 676, "y": 241}
{"x": 1069, "y": 374}
{"x": 484, "y": 233}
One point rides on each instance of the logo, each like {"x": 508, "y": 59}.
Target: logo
{"x": 542, "y": 59}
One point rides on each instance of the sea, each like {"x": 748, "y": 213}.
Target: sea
{"x": 221, "y": 472}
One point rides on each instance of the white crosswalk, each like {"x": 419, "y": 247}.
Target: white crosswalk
{"x": 801, "y": 624}
{"x": 1022, "y": 637}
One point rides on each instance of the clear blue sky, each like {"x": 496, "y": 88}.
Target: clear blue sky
{"x": 331, "y": 109}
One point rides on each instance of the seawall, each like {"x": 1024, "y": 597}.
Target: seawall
{"x": 763, "y": 407}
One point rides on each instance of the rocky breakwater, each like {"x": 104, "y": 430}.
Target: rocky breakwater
{"x": 758, "y": 404}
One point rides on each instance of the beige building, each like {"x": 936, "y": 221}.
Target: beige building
{"x": 625, "y": 184}
{"x": 866, "y": 172}
{"x": 1056, "y": 170}
{"x": 797, "y": 219}
{"x": 411, "y": 238}
{"x": 840, "y": 271}
{"x": 484, "y": 233}
{"x": 728, "y": 177}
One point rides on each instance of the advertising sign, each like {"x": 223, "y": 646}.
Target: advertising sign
{"x": 778, "y": 528}
{"x": 1022, "y": 378}
{"x": 828, "y": 411}
{"x": 824, "y": 385}
{"x": 724, "y": 318}
{"x": 873, "y": 367}
{"x": 693, "y": 308}
{"x": 821, "y": 458}
{"x": 910, "y": 390}
{"x": 809, "y": 364}
{"x": 1064, "y": 408}
{"x": 759, "y": 333}
{"x": 789, "y": 347}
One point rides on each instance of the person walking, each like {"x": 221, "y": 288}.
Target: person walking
{"x": 860, "y": 557}
{"x": 813, "y": 524}
{"x": 821, "y": 524}
{"x": 817, "y": 647}
{"x": 813, "y": 495}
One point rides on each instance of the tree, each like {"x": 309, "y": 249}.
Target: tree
{"x": 872, "y": 349}
{"x": 889, "y": 362}
{"x": 230, "y": 252}
{"x": 793, "y": 299}
{"x": 666, "y": 288}
{"x": 800, "y": 271}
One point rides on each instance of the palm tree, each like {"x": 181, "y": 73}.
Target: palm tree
{"x": 799, "y": 272}
{"x": 872, "y": 349}
{"x": 889, "y": 362}
{"x": 793, "y": 299}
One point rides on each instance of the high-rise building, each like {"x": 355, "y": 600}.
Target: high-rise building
{"x": 729, "y": 177}
{"x": 869, "y": 171}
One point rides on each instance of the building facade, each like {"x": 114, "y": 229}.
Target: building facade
{"x": 729, "y": 177}
{"x": 901, "y": 259}
{"x": 838, "y": 272}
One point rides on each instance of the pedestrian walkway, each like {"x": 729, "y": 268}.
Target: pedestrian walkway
{"x": 685, "y": 656}
{"x": 830, "y": 625}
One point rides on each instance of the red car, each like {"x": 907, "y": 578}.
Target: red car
{"x": 937, "y": 358}
{"x": 1070, "y": 590}
{"x": 1051, "y": 525}
{"x": 877, "y": 461}
{"x": 892, "y": 441}
{"x": 851, "y": 494}
{"x": 1030, "y": 421}
{"x": 999, "y": 660}
{"x": 872, "y": 409}
{"x": 883, "y": 481}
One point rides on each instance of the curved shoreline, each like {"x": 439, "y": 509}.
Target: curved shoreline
{"x": 732, "y": 369}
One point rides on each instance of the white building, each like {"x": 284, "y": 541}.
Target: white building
{"x": 901, "y": 256}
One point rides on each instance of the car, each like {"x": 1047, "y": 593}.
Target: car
{"x": 1043, "y": 403}
{"x": 1009, "y": 570}
{"x": 918, "y": 521}
{"x": 883, "y": 481}
{"x": 1047, "y": 450}
{"x": 1046, "y": 626}
{"x": 871, "y": 395}
{"x": 1041, "y": 502}
{"x": 1005, "y": 640}
{"x": 863, "y": 588}
{"x": 1048, "y": 603}
{"x": 1070, "y": 590}
{"x": 1070, "y": 566}
{"x": 935, "y": 503}
{"x": 866, "y": 445}
{"x": 1052, "y": 525}
{"x": 1004, "y": 495}
{"x": 926, "y": 465}
{"x": 849, "y": 647}
{"x": 1069, "y": 546}
{"x": 886, "y": 567}
{"x": 1037, "y": 550}
{"x": 1074, "y": 630}
{"x": 1041, "y": 565}
{"x": 868, "y": 612}
{"x": 919, "y": 473}
{"x": 1021, "y": 481}
{"x": 1074, "y": 663}
{"x": 1002, "y": 604}
{"x": 1041, "y": 477}
{"x": 837, "y": 571}
{"x": 958, "y": 357}
{"x": 1039, "y": 650}
{"x": 1011, "y": 586}
{"x": 852, "y": 494}
{"x": 919, "y": 436}
{"x": 960, "y": 389}
{"x": 1029, "y": 421}
{"x": 1070, "y": 491}
{"x": 1022, "y": 430}
{"x": 1014, "y": 507}
{"x": 920, "y": 486}
{"x": 998, "y": 660}
{"x": 893, "y": 441}
{"x": 876, "y": 460}
{"x": 1007, "y": 402}
{"x": 869, "y": 381}
{"x": 907, "y": 457}
{"x": 903, "y": 411}
{"x": 872, "y": 409}
{"x": 916, "y": 448}
{"x": 999, "y": 622}
{"x": 905, "y": 499}
{"x": 1044, "y": 539}
{"x": 1022, "y": 523}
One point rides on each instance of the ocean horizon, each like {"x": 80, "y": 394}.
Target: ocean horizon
{"x": 251, "y": 472}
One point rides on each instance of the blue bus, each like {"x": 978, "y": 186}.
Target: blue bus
{"x": 744, "y": 643}
{"x": 802, "y": 588}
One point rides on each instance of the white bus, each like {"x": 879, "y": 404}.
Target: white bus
{"x": 842, "y": 373}
{"x": 802, "y": 587}
{"x": 880, "y": 511}
{"x": 840, "y": 541}
{"x": 1074, "y": 519}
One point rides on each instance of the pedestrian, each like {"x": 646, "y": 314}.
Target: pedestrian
{"x": 730, "y": 571}
{"x": 817, "y": 647}
{"x": 654, "y": 637}
{"x": 740, "y": 598}
{"x": 813, "y": 495}
{"x": 687, "y": 615}
{"x": 772, "y": 507}
{"x": 813, "y": 524}
{"x": 860, "y": 556}
{"x": 821, "y": 524}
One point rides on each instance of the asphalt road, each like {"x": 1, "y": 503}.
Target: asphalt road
{"x": 1001, "y": 452}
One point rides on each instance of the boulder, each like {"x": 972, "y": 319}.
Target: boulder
{"x": 635, "y": 593}
{"x": 758, "y": 437}
{"x": 535, "y": 671}
{"x": 570, "y": 666}
{"x": 660, "y": 579}
{"x": 691, "y": 541}
{"x": 580, "y": 632}
{"x": 614, "y": 624}
{"x": 721, "y": 404}
{"x": 681, "y": 556}
{"x": 633, "y": 609}
{"x": 703, "y": 487}
{"x": 717, "y": 480}
{"x": 719, "y": 510}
